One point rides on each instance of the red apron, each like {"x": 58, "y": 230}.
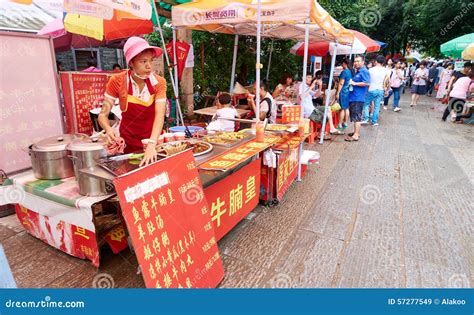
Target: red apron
{"x": 137, "y": 118}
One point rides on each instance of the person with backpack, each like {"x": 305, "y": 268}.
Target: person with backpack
{"x": 396, "y": 79}
{"x": 268, "y": 107}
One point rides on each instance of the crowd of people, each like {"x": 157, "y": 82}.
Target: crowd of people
{"x": 362, "y": 88}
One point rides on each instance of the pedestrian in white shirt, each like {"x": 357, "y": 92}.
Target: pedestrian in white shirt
{"x": 378, "y": 88}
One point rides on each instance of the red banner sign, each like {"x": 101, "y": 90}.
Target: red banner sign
{"x": 290, "y": 114}
{"x": 71, "y": 239}
{"x": 170, "y": 224}
{"x": 238, "y": 155}
{"x": 232, "y": 198}
{"x": 82, "y": 92}
{"x": 287, "y": 170}
{"x": 182, "y": 51}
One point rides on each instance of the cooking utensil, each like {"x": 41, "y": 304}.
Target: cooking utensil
{"x": 49, "y": 157}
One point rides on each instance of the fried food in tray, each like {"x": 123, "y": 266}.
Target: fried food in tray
{"x": 233, "y": 135}
{"x": 227, "y": 138}
{"x": 172, "y": 148}
{"x": 276, "y": 127}
{"x": 219, "y": 140}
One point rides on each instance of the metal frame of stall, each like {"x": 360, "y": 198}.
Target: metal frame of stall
{"x": 258, "y": 65}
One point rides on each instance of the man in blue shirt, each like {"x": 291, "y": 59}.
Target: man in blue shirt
{"x": 359, "y": 86}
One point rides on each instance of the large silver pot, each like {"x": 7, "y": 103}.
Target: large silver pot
{"x": 86, "y": 154}
{"x": 49, "y": 157}
{"x": 94, "y": 181}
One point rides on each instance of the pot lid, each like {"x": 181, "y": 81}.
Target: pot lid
{"x": 56, "y": 143}
{"x": 86, "y": 145}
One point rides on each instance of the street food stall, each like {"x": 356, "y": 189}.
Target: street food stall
{"x": 74, "y": 194}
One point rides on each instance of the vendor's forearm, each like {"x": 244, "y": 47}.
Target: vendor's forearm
{"x": 104, "y": 115}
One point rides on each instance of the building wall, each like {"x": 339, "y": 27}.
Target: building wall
{"x": 108, "y": 57}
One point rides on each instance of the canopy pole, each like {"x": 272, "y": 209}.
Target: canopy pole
{"x": 234, "y": 63}
{"x": 175, "y": 62}
{"x": 328, "y": 94}
{"x": 303, "y": 79}
{"x": 258, "y": 65}
{"x": 165, "y": 52}
{"x": 269, "y": 61}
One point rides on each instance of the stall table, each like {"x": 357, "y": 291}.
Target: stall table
{"x": 55, "y": 212}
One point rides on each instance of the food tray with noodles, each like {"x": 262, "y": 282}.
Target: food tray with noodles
{"x": 171, "y": 148}
{"x": 228, "y": 139}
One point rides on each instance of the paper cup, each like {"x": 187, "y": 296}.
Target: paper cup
{"x": 179, "y": 136}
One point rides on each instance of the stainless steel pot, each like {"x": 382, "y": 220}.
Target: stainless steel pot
{"x": 49, "y": 157}
{"x": 94, "y": 181}
{"x": 86, "y": 154}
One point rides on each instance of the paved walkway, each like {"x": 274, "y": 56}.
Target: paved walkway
{"x": 393, "y": 210}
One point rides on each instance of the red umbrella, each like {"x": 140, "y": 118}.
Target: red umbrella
{"x": 63, "y": 40}
{"x": 368, "y": 42}
{"x": 362, "y": 44}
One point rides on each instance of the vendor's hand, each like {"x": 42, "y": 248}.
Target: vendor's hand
{"x": 150, "y": 155}
{"x": 111, "y": 135}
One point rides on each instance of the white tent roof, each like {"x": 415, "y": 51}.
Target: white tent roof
{"x": 281, "y": 19}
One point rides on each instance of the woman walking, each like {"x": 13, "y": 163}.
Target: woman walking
{"x": 396, "y": 79}
{"x": 419, "y": 86}
{"x": 444, "y": 80}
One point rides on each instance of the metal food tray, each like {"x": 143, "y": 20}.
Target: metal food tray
{"x": 211, "y": 147}
{"x": 233, "y": 143}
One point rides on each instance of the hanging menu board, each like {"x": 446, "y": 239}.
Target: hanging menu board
{"x": 82, "y": 92}
{"x": 170, "y": 224}
{"x": 29, "y": 98}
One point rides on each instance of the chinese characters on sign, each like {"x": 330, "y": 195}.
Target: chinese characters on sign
{"x": 238, "y": 155}
{"x": 86, "y": 93}
{"x": 287, "y": 170}
{"x": 290, "y": 114}
{"x": 232, "y": 198}
{"x": 169, "y": 224}
{"x": 71, "y": 239}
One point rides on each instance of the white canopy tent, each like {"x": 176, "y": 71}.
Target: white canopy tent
{"x": 277, "y": 19}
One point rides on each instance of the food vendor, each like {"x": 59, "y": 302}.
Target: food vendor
{"x": 142, "y": 98}
{"x": 268, "y": 108}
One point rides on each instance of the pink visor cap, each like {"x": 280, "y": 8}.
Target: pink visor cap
{"x": 135, "y": 45}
